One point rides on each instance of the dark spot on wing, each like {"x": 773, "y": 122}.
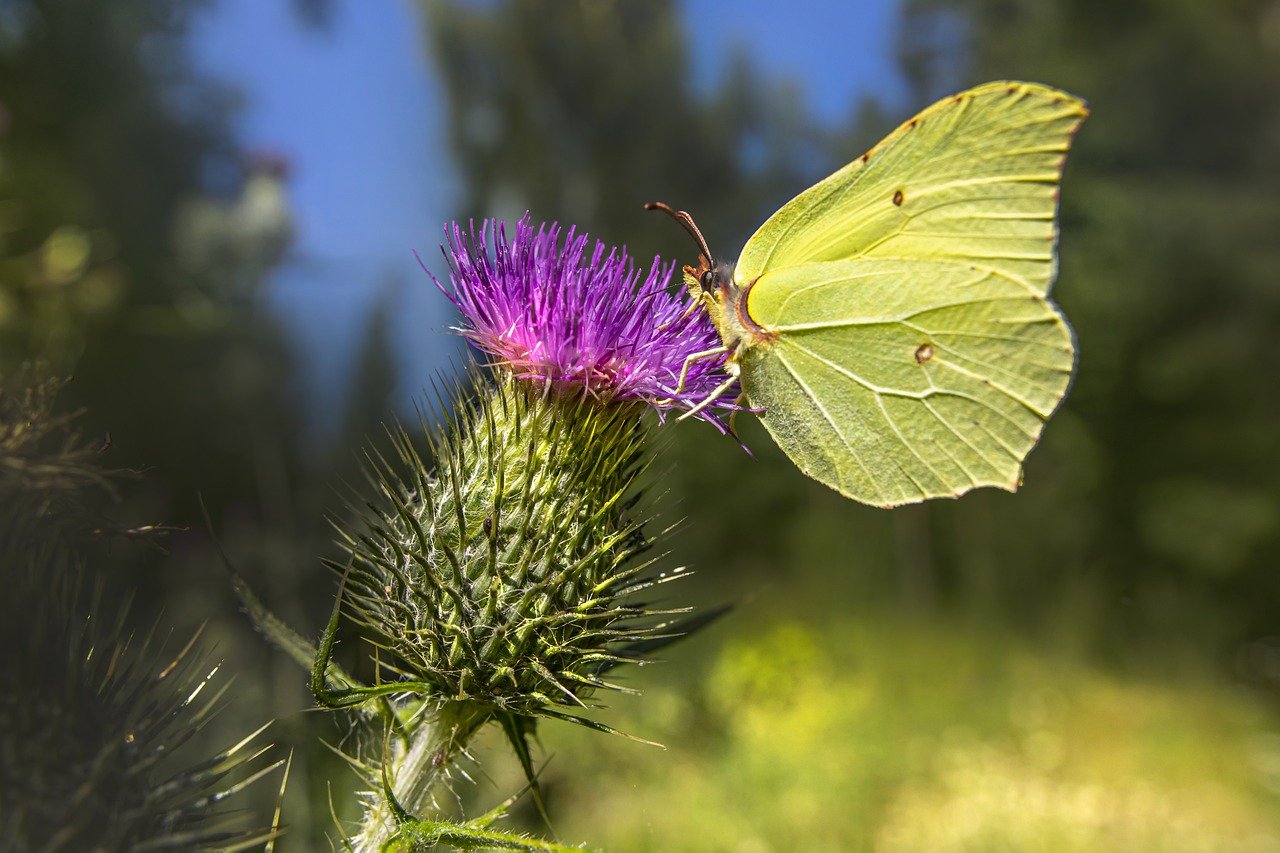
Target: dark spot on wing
{"x": 898, "y": 198}
{"x": 924, "y": 352}
{"x": 866, "y": 157}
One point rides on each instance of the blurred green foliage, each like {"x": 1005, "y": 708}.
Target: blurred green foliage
{"x": 1147, "y": 494}
{"x": 1091, "y": 662}
{"x": 124, "y": 262}
{"x": 1132, "y": 576}
{"x": 888, "y": 732}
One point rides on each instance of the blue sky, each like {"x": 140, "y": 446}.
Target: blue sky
{"x": 838, "y": 49}
{"x": 359, "y": 112}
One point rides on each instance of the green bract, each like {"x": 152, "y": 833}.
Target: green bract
{"x": 500, "y": 575}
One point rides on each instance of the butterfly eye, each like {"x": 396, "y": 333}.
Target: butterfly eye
{"x": 708, "y": 280}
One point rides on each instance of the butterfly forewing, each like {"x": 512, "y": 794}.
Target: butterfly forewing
{"x": 896, "y": 380}
{"x": 973, "y": 179}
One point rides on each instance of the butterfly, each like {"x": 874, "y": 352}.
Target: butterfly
{"x": 891, "y": 325}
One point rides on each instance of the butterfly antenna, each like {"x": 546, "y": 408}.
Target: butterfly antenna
{"x": 689, "y": 225}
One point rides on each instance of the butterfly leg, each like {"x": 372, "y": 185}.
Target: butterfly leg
{"x": 733, "y": 416}
{"x": 700, "y": 299}
{"x": 693, "y": 359}
{"x": 710, "y": 398}
{"x": 693, "y": 307}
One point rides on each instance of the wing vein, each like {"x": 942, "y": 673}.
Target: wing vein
{"x": 827, "y": 417}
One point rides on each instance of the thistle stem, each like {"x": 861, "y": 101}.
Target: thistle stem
{"x": 416, "y": 769}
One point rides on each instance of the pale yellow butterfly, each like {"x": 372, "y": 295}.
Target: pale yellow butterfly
{"x": 892, "y": 322}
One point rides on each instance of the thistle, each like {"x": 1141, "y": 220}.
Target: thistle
{"x": 48, "y": 473}
{"x": 497, "y": 574}
{"x": 94, "y": 723}
{"x": 497, "y": 579}
{"x": 592, "y": 325}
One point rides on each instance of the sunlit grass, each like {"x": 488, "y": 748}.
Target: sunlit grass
{"x": 888, "y": 734}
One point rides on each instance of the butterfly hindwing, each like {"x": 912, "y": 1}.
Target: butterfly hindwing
{"x": 894, "y": 380}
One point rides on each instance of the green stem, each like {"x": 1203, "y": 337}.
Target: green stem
{"x": 414, "y": 771}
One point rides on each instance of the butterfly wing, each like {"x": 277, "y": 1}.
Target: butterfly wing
{"x": 894, "y": 380}
{"x": 972, "y": 179}
{"x": 902, "y": 345}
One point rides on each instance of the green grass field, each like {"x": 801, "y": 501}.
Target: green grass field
{"x": 883, "y": 734}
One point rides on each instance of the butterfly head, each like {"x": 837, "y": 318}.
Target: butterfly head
{"x": 712, "y": 277}
{"x": 709, "y": 282}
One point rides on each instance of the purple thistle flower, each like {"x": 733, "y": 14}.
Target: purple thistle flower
{"x": 582, "y": 322}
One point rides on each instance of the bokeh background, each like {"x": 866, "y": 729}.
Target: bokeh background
{"x": 207, "y": 217}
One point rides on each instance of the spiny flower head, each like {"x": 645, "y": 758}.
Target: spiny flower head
{"x": 96, "y": 724}
{"x": 581, "y": 317}
{"x": 504, "y": 578}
